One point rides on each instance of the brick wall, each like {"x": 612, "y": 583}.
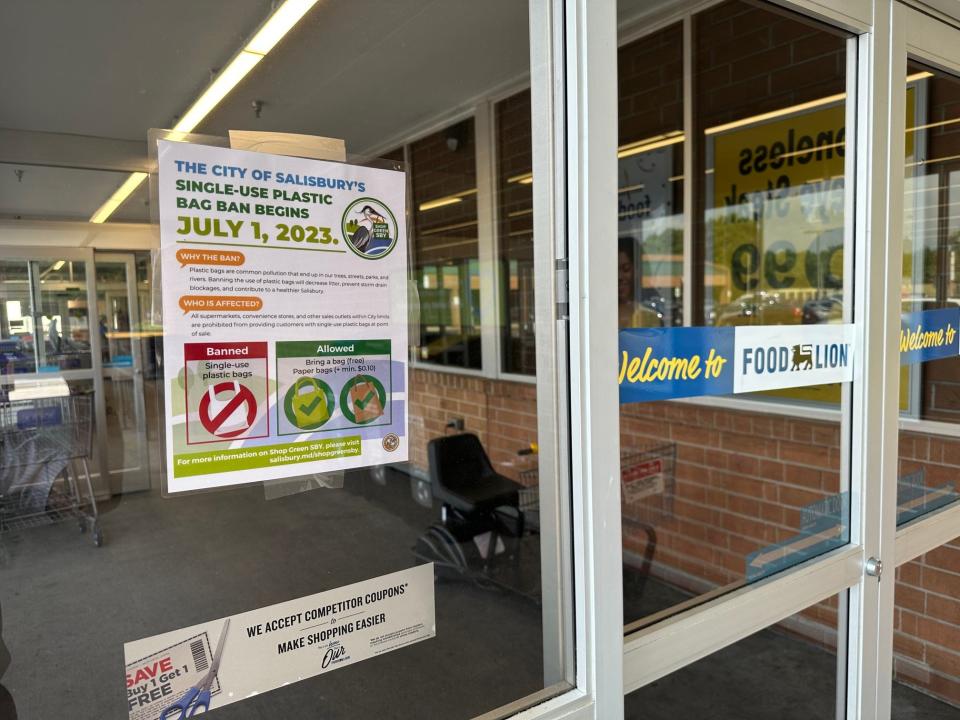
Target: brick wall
{"x": 741, "y": 481}
{"x": 503, "y": 414}
{"x": 749, "y": 59}
{"x": 650, "y": 86}
{"x": 438, "y": 171}
{"x": 515, "y": 234}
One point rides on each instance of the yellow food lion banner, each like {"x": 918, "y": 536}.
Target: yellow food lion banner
{"x": 775, "y": 232}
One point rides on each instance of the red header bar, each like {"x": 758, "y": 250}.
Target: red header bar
{"x": 224, "y": 351}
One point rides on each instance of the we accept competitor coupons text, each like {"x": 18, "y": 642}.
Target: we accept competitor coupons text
{"x": 285, "y": 315}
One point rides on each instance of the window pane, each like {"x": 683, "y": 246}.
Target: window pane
{"x": 395, "y": 81}
{"x": 18, "y": 353}
{"x": 717, "y": 494}
{"x": 787, "y": 672}
{"x": 446, "y": 252}
{"x": 930, "y": 370}
{"x": 650, "y": 181}
{"x": 515, "y": 234}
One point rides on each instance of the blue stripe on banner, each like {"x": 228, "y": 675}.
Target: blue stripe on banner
{"x": 663, "y": 363}
{"x": 929, "y": 335}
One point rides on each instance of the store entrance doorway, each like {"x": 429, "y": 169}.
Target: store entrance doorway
{"x": 69, "y": 323}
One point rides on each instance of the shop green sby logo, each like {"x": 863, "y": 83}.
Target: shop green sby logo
{"x": 369, "y": 228}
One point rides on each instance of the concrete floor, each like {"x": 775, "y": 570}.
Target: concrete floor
{"x": 769, "y": 675}
{"x": 167, "y": 563}
{"x": 67, "y": 609}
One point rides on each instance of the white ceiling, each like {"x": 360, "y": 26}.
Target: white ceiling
{"x": 365, "y": 70}
{"x": 369, "y": 71}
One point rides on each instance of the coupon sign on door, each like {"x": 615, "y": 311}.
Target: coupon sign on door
{"x": 285, "y": 315}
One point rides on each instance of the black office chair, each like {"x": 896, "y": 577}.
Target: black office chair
{"x": 463, "y": 477}
{"x": 475, "y": 500}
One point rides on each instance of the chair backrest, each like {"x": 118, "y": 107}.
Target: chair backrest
{"x": 456, "y": 461}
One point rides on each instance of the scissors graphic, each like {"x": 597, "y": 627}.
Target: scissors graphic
{"x": 196, "y": 700}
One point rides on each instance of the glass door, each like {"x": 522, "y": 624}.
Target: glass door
{"x": 49, "y": 345}
{"x": 121, "y": 353}
{"x": 482, "y": 516}
{"x": 920, "y": 617}
{"x": 747, "y": 297}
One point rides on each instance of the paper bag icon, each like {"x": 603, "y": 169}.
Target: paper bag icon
{"x": 366, "y": 401}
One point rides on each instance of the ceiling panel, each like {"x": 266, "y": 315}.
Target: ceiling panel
{"x": 365, "y": 71}
{"x": 57, "y": 193}
{"x": 113, "y": 68}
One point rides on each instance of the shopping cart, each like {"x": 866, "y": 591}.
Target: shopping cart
{"x": 647, "y": 482}
{"x": 42, "y": 443}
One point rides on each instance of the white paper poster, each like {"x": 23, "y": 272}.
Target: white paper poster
{"x": 285, "y": 315}
{"x": 230, "y": 659}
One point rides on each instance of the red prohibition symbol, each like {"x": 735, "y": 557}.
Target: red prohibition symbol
{"x": 225, "y": 411}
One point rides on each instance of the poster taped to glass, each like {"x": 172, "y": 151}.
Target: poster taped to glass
{"x": 285, "y": 307}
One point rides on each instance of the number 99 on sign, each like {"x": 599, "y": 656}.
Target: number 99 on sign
{"x": 781, "y": 266}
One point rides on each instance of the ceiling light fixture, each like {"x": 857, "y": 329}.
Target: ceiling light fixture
{"x": 280, "y": 22}
{"x": 446, "y": 200}
{"x": 652, "y": 143}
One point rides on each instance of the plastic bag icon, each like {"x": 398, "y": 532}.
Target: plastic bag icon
{"x": 237, "y": 420}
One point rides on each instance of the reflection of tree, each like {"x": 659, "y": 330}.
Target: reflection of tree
{"x": 731, "y": 232}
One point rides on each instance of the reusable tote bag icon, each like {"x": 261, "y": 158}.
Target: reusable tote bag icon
{"x": 310, "y": 406}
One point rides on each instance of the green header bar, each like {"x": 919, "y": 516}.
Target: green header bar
{"x": 221, "y": 461}
{"x": 325, "y": 348}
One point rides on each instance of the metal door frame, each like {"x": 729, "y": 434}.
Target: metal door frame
{"x": 118, "y": 477}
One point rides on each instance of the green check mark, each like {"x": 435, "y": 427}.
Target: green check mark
{"x": 309, "y": 408}
{"x": 366, "y": 399}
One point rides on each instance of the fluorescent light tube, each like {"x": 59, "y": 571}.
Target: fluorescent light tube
{"x": 228, "y": 79}
{"x": 265, "y": 39}
{"x": 119, "y": 195}
{"x": 439, "y": 202}
{"x": 279, "y": 24}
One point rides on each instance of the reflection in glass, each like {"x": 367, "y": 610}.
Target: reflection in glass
{"x": 446, "y": 250}
{"x": 929, "y": 390}
{"x": 713, "y": 497}
{"x": 650, "y": 181}
{"x": 43, "y": 316}
{"x": 515, "y": 233}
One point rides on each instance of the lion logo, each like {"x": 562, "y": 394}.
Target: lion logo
{"x": 802, "y": 357}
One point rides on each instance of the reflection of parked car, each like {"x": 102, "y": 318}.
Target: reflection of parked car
{"x": 822, "y": 310}
{"x": 761, "y": 308}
